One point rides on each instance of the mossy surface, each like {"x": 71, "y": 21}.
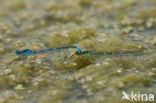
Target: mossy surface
{"x": 63, "y": 77}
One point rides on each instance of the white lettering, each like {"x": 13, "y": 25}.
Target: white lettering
{"x": 151, "y": 97}
{"x": 133, "y": 96}
{"x": 137, "y": 97}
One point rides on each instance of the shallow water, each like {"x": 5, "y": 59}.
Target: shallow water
{"x": 60, "y": 76}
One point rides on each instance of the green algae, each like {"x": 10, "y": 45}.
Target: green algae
{"x": 62, "y": 76}
{"x": 75, "y": 62}
{"x": 73, "y": 36}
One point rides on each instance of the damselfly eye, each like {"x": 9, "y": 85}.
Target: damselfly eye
{"x": 77, "y": 53}
{"x": 17, "y": 52}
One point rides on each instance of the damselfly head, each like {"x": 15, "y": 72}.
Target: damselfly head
{"x": 78, "y": 48}
{"x": 77, "y": 53}
{"x": 83, "y": 52}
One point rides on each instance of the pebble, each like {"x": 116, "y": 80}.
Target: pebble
{"x": 97, "y": 64}
{"x": 19, "y": 87}
{"x": 119, "y": 71}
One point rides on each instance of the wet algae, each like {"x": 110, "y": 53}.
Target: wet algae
{"x": 63, "y": 77}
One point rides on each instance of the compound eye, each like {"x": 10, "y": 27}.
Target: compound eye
{"x": 17, "y": 52}
{"x": 77, "y": 53}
